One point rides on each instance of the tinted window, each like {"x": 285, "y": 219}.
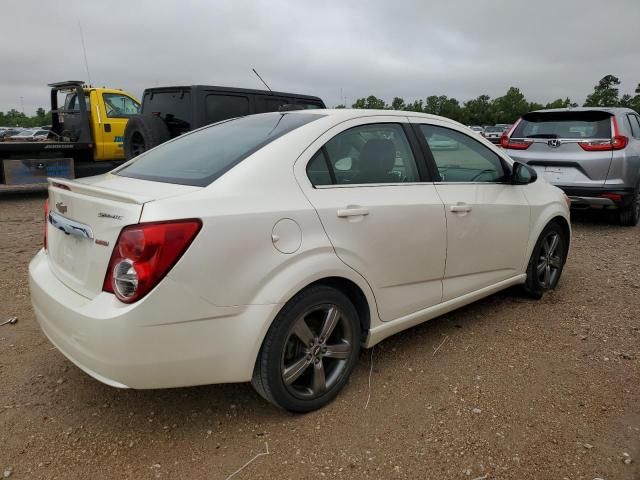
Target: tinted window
{"x": 119, "y": 106}
{"x": 269, "y": 104}
{"x": 200, "y": 157}
{"x": 174, "y": 107}
{"x": 460, "y": 158}
{"x": 221, "y": 107}
{"x": 318, "y": 170}
{"x": 589, "y": 124}
{"x": 376, "y": 153}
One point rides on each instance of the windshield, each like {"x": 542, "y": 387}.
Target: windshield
{"x": 198, "y": 158}
{"x": 589, "y": 124}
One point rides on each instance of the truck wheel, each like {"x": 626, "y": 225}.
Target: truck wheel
{"x": 142, "y": 133}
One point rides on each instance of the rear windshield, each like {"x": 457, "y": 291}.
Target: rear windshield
{"x": 564, "y": 125}
{"x": 198, "y": 158}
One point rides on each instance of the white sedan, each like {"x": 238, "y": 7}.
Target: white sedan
{"x": 271, "y": 248}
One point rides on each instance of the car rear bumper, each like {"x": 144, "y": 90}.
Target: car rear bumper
{"x": 171, "y": 338}
{"x": 598, "y": 197}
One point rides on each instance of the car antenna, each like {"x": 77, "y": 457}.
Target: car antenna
{"x": 84, "y": 50}
{"x": 265, "y": 83}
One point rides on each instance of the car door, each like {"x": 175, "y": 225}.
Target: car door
{"x": 380, "y": 210}
{"x": 118, "y": 108}
{"x": 487, "y": 217}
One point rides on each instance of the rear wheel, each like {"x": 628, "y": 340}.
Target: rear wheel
{"x": 142, "y": 133}
{"x": 547, "y": 261}
{"x": 309, "y": 351}
{"x": 630, "y": 215}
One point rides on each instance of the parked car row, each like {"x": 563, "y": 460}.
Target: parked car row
{"x": 23, "y": 134}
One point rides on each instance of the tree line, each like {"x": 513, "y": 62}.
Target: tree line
{"x": 484, "y": 110}
{"x": 14, "y": 118}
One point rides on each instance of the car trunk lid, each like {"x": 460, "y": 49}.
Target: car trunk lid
{"x": 85, "y": 219}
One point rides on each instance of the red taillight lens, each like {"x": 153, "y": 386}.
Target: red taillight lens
{"x": 506, "y": 142}
{"x": 144, "y": 254}
{"x": 46, "y": 222}
{"x": 617, "y": 142}
{"x": 616, "y": 197}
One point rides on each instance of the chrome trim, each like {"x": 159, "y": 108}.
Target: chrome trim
{"x": 70, "y": 227}
{"x": 561, "y": 140}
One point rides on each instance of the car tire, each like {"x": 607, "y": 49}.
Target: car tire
{"x": 299, "y": 367}
{"x": 142, "y": 133}
{"x": 547, "y": 261}
{"x": 630, "y": 215}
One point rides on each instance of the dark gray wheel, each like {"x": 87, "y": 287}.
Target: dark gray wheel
{"x": 142, "y": 133}
{"x": 547, "y": 261}
{"x": 630, "y": 215}
{"x": 309, "y": 351}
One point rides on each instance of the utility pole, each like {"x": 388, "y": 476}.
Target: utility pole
{"x": 22, "y": 104}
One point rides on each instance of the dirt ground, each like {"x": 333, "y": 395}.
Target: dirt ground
{"x": 507, "y": 388}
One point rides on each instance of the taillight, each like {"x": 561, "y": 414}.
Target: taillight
{"x": 616, "y": 197}
{"x": 617, "y": 142}
{"x": 506, "y": 142}
{"x": 144, "y": 254}
{"x": 46, "y": 222}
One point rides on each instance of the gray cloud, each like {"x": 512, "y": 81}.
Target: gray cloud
{"x": 412, "y": 49}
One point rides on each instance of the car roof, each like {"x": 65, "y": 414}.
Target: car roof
{"x": 351, "y": 113}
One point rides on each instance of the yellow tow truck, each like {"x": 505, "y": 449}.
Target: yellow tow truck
{"x": 85, "y": 138}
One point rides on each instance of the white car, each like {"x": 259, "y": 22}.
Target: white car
{"x": 270, "y": 248}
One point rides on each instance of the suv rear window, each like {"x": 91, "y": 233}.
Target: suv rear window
{"x": 198, "y": 158}
{"x": 173, "y": 106}
{"x": 589, "y": 124}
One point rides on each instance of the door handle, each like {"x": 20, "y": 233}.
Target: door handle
{"x": 460, "y": 207}
{"x": 353, "y": 212}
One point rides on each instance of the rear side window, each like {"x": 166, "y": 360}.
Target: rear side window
{"x": 570, "y": 124}
{"x": 198, "y": 158}
{"x": 174, "y": 107}
{"x": 634, "y": 123}
{"x": 375, "y": 153}
{"x": 221, "y": 107}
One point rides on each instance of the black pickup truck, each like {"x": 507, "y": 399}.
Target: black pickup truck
{"x": 171, "y": 111}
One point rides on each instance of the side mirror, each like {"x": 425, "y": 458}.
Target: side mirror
{"x": 522, "y": 174}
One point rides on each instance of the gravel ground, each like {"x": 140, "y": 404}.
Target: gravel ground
{"x": 507, "y": 388}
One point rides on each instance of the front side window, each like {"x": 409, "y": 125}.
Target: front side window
{"x": 119, "y": 106}
{"x": 375, "y": 153}
{"x": 199, "y": 157}
{"x": 460, "y": 158}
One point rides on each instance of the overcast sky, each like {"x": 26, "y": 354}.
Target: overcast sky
{"x": 334, "y": 49}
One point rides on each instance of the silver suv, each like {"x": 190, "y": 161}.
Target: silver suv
{"x": 593, "y": 154}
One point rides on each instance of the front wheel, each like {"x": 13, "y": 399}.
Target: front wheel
{"x": 309, "y": 351}
{"x": 547, "y": 261}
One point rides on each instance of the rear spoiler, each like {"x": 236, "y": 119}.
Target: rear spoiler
{"x": 83, "y": 188}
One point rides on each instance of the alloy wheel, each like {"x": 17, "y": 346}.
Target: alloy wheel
{"x": 316, "y": 351}
{"x": 549, "y": 261}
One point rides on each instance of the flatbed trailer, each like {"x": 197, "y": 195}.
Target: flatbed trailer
{"x": 86, "y": 138}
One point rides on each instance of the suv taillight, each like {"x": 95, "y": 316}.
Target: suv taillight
{"x": 506, "y": 142}
{"x": 144, "y": 254}
{"x": 617, "y": 142}
{"x": 46, "y": 222}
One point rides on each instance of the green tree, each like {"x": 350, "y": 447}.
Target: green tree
{"x": 605, "y": 93}
{"x": 479, "y": 111}
{"x": 340, "y": 106}
{"x": 398, "y": 104}
{"x": 510, "y": 107}
{"x": 371, "y": 102}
